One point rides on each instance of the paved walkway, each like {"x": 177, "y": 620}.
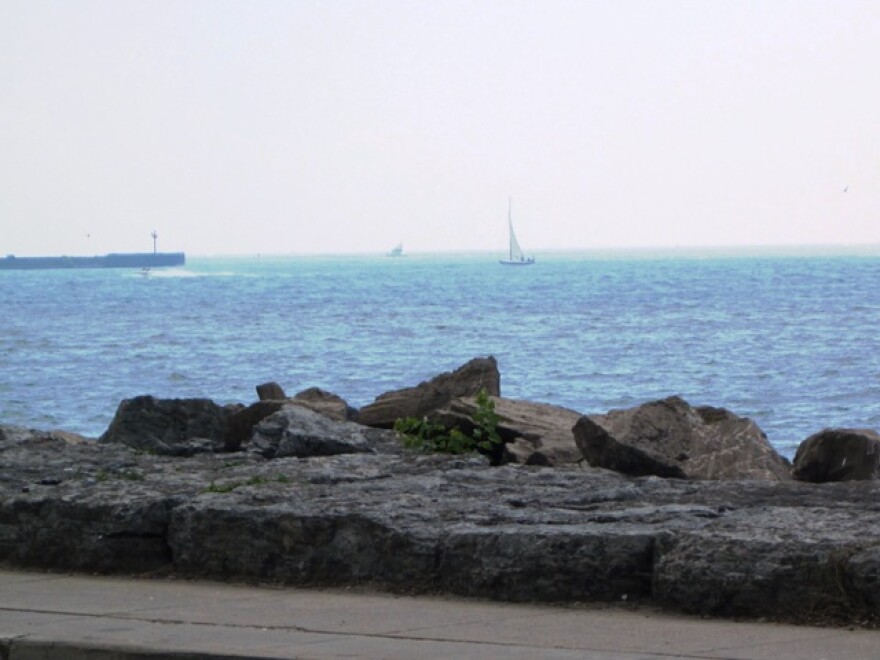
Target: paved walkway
{"x": 55, "y": 617}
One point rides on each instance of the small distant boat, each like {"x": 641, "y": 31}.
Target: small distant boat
{"x": 396, "y": 251}
{"x": 515, "y": 256}
{"x": 145, "y": 271}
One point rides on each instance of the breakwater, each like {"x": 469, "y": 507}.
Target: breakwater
{"x": 111, "y": 260}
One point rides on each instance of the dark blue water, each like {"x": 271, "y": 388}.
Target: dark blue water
{"x": 789, "y": 341}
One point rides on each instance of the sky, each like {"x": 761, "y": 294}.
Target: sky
{"x": 347, "y": 126}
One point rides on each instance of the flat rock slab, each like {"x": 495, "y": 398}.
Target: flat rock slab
{"x": 419, "y": 523}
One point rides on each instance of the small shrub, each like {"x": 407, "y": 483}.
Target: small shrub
{"x": 422, "y": 434}
{"x": 432, "y": 436}
{"x": 486, "y": 420}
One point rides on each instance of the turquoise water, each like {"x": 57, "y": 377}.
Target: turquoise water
{"x": 789, "y": 341}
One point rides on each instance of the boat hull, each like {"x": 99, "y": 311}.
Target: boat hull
{"x": 516, "y": 262}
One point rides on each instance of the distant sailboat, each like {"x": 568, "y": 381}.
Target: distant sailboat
{"x": 515, "y": 256}
{"x": 396, "y": 251}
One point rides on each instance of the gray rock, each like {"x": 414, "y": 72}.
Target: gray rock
{"x": 298, "y": 431}
{"x": 14, "y": 434}
{"x": 326, "y": 403}
{"x": 270, "y": 391}
{"x": 176, "y": 427}
{"x": 669, "y": 438}
{"x": 838, "y": 455}
{"x": 426, "y": 397}
{"x": 533, "y": 433}
{"x": 861, "y": 569}
{"x": 240, "y": 424}
{"x": 426, "y": 523}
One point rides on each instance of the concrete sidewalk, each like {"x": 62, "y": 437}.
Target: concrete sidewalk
{"x": 49, "y": 617}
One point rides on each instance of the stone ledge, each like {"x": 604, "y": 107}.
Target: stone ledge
{"x": 416, "y": 523}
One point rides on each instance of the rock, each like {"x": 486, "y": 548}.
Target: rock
{"x": 298, "y": 431}
{"x": 838, "y": 455}
{"x": 270, "y": 391}
{"x": 730, "y": 569}
{"x": 431, "y": 395}
{"x": 669, "y": 438}
{"x": 533, "y": 433}
{"x": 411, "y": 522}
{"x": 862, "y": 568}
{"x": 20, "y": 434}
{"x": 176, "y": 427}
{"x": 326, "y": 403}
{"x": 240, "y": 424}
{"x": 68, "y": 437}
{"x": 601, "y": 449}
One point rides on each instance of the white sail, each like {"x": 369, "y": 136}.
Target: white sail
{"x": 516, "y": 253}
{"x": 516, "y": 256}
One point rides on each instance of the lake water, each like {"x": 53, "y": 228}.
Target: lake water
{"x": 790, "y": 341}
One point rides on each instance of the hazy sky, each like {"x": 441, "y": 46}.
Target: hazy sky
{"x": 347, "y": 126}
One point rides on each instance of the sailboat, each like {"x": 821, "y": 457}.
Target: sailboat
{"x": 515, "y": 256}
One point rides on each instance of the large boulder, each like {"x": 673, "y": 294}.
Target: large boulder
{"x": 669, "y": 438}
{"x": 298, "y": 431}
{"x": 240, "y": 424}
{"x": 771, "y": 559}
{"x": 326, "y": 403}
{"x": 418, "y": 401}
{"x": 533, "y": 433}
{"x": 270, "y": 391}
{"x": 838, "y": 455}
{"x": 174, "y": 427}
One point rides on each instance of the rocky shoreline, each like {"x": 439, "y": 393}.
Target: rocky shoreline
{"x": 294, "y": 491}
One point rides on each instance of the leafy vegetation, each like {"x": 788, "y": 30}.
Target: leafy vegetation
{"x": 426, "y": 435}
{"x": 230, "y": 486}
{"x": 486, "y": 420}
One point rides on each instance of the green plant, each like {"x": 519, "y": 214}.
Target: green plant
{"x": 228, "y": 487}
{"x": 421, "y": 433}
{"x": 426, "y": 435}
{"x": 486, "y": 421}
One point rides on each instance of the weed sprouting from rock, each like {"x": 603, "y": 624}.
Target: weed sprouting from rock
{"x": 426, "y": 435}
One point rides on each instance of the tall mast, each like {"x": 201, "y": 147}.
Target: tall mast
{"x": 510, "y": 228}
